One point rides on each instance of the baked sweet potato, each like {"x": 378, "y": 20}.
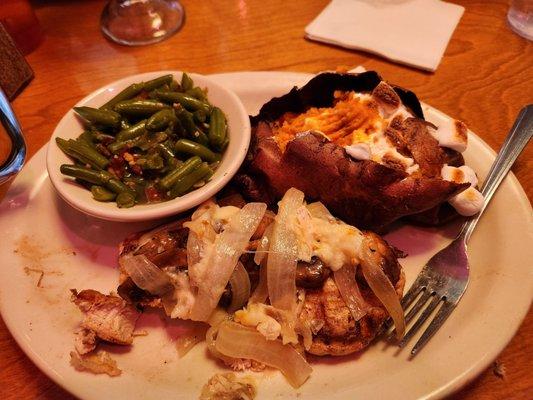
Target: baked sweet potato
{"x": 364, "y": 193}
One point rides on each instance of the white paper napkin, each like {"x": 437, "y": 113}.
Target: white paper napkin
{"x": 413, "y": 32}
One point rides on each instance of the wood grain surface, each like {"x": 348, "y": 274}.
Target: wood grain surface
{"x": 484, "y": 79}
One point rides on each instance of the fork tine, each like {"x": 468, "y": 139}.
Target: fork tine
{"x": 426, "y": 294}
{"x": 406, "y": 301}
{"x": 439, "y": 319}
{"x": 411, "y": 295}
{"x": 420, "y": 321}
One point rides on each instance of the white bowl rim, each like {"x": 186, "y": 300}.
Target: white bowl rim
{"x": 142, "y": 212}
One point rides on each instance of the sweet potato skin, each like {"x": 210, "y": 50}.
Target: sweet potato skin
{"x": 362, "y": 193}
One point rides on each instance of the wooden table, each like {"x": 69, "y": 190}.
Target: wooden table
{"x": 485, "y": 77}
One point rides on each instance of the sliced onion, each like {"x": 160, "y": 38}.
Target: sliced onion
{"x": 319, "y": 210}
{"x": 194, "y": 249}
{"x": 146, "y": 275}
{"x": 227, "y": 248}
{"x": 349, "y": 290}
{"x": 260, "y": 293}
{"x": 381, "y": 286}
{"x": 192, "y": 336}
{"x": 237, "y": 341}
{"x": 240, "y": 288}
{"x": 262, "y": 249}
{"x": 303, "y": 328}
{"x": 218, "y": 316}
{"x": 210, "y": 340}
{"x": 282, "y": 260}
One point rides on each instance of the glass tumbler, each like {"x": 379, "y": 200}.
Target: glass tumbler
{"x": 140, "y": 22}
{"x": 520, "y": 17}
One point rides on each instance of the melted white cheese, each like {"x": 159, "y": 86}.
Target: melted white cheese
{"x": 334, "y": 242}
{"x": 255, "y": 315}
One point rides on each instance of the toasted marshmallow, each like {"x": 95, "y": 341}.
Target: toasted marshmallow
{"x": 470, "y": 201}
{"x": 387, "y": 99}
{"x": 451, "y": 134}
{"x": 358, "y": 151}
{"x": 467, "y": 203}
{"x": 460, "y": 175}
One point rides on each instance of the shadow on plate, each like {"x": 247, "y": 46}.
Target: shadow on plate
{"x": 96, "y": 239}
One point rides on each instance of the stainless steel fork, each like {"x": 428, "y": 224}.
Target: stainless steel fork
{"x": 445, "y": 276}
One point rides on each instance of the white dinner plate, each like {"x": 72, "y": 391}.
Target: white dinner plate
{"x": 48, "y": 248}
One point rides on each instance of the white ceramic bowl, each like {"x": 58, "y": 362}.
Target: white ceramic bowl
{"x": 81, "y": 199}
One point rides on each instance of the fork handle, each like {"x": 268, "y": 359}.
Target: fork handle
{"x": 514, "y": 143}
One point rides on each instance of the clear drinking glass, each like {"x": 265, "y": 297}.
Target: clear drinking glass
{"x": 520, "y": 17}
{"x": 140, "y": 22}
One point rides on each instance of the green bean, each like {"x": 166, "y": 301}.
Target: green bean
{"x": 217, "y": 128}
{"x": 102, "y": 137}
{"x": 85, "y": 184}
{"x": 209, "y": 174}
{"x": 143, "y": 142}
{"x": 189, "y": 102}
{"x": 161, "y": 120}
{"x": 148, "y": 141}
{"x": 87, "y": 174}
{"x": 117, "y": 186}
{"x": 199, "y": 116}
{"x": 186, "y": 121}
{"x": 86, "y": 138}
{"x": 157, "y": 82}
{"x": 166, "y": 151}
{"x": 125, "y": 199}
{"x": 115, "y": 147}
{"x": 82, "y": 152}
{"x": 100, "y": 193}
{"x": 173, "y": 176}
{"x": 186, "y": 82}
{"x": 63, "y": 145}
{"x": 152, "y": 161}
{"x": 196, "y": 149}
{"x": 139, "y": 108}
{"x": 197, "y": 93}
{"x": 184, "y": 184}
{"x": 104, "y": 118}
{"x": 225, "y": 144}
{"x": 174, "y": 86}
{"x": 126, "y": 94}
{"x": 200, "y": 137}
{"x": 132, "y": 132}
{"x": 168, "y": 155}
